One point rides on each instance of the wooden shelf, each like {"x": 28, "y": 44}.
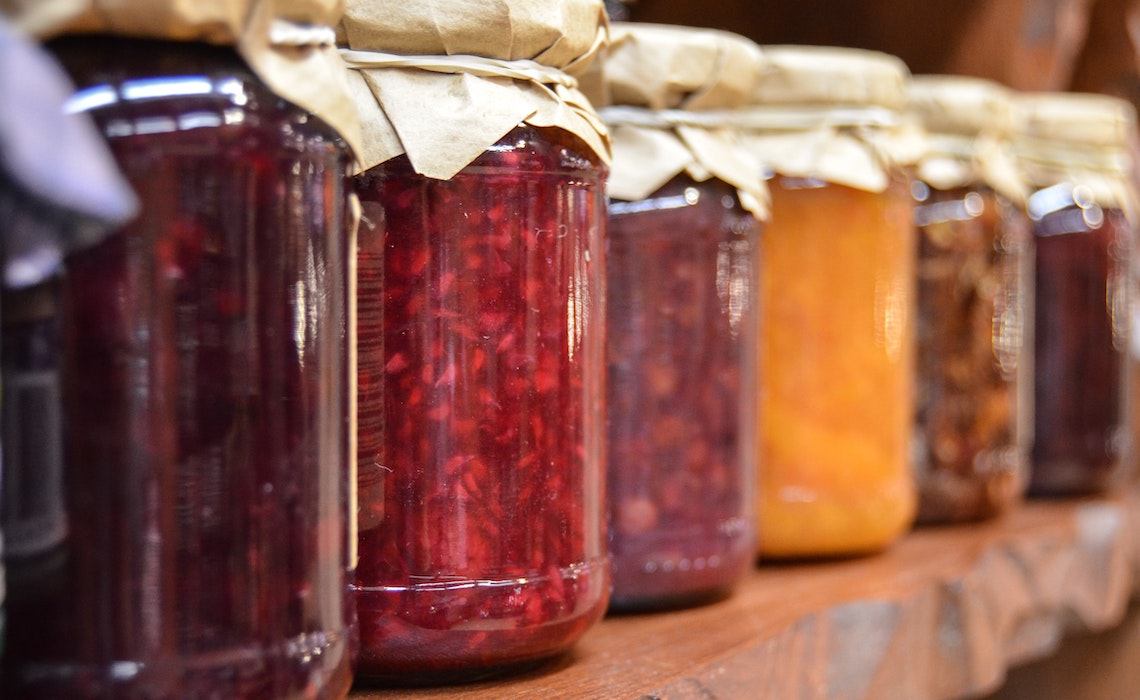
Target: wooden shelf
{"x": 942, "y": 614}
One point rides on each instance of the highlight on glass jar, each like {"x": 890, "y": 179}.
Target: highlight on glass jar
{"x": 836, "y": 304}
{"x": 197, "y": 366}
{"x": 44, "y": 215}
{"x": 974, "y": 393}
{"x": 480, "y": 306}
{"x": 1074, "y": 150}
{"x": 681, "y": 272}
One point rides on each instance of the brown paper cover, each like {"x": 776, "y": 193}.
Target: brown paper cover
{"x": 830, "y": 113}
{"x": 443, "y": 80}
{"x": 1082, "y": 139}
{"x": 669, "y": 94}
{"x": 966, "y": 125}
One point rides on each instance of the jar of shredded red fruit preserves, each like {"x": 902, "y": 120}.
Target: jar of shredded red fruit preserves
{"x": 1074, "y": 150}
{"x": 681, "y": 273}
{"x": 201, "y": 367}
{"x": 974, "y": 393}
{"x": 481, "y": 336}
{"x": 836, "y": 303}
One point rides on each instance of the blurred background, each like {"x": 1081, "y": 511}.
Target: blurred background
{"x": 1081, "y": 45}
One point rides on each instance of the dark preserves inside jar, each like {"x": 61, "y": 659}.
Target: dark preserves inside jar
{"x": 202, "y": 374}
{"x": 971, "y": 455}
{"x": 480, "y": 345}
{"x": 681, "y": 393}
{"x": 1081, "y": 335}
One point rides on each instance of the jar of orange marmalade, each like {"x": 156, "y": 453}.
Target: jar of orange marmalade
{"x": 837, "y": 304}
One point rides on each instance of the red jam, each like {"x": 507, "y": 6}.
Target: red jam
{"x": 1081, "y": 346}
{"x": 971, "y": 449}
{"x": 480, "y": 342}
{"x": 681, "y": 408}
{"x": 202, "y": 370}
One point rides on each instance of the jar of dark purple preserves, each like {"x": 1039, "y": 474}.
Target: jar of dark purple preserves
{"x": 203, "y": 371}
{"x": 480, "y": 348}
{"x": 681, "y": 317}
{"x": 974, "y": 389}
{"x": 1074, "y": 151}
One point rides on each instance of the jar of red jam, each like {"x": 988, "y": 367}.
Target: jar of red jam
{"x": 203, "y": 402}
{"x": 974, "y": 400}
{"x": 1074, "y": 150}
{"x": 480, "y": 346}
{"x": 681, "y": 317}
{"x": 836, "y": 303}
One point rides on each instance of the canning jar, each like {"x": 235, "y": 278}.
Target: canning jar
{"x": 480, "y": 346}
{"x": 59, "y": 191}
{"x": 836, "y": 303}
{"x": 202, "y": 368}
{"x": 974, "y": 400}
{"x": 1074, "y": 150}
{"x": 681, "y": 321}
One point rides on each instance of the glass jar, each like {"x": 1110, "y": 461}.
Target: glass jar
{"x": 836, "y": 304}
{"x": 681, "y": 393}
{"x": 973, "y": 403}
{"x": 203, "y": 372}
{"x": 480, "y": 354}
{"x": 684, "y": 223}
{"x": 1074, "y": 149}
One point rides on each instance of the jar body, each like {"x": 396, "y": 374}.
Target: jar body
{"x": 1081, "y": 336}
{"x": 973, "y": 403}
{"x": 837, "y": 368}
{"x": 202, "y": 373}
{"x": 681, "y": 408}
{"x": 480, "y": 352}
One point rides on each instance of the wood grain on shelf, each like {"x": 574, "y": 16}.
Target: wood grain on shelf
{"x": 942, "y": 614}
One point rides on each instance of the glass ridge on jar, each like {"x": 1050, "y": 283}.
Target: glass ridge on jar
{"x": 202, "y": 374}
{"x": 971, "y": 451}
{"x": 480, "y": 348}
{"x": 681, "y": 335}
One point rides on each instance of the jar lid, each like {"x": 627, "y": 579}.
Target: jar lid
{"x": 1078, "y": 139}
{"x": 828, "y": 113}
{"x": 667, "y": 92}
{"x": 558, "y": 35}
{"x": 826, "y": 75}
{"x": 443, "y": 86}
{"x": 660, "y": 66}
{"x": 1075, "y": 118}
{"x": 963, "y": 126}
{"x": 955, "y": 104}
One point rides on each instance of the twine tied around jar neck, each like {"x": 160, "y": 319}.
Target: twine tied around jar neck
{"x": 1102, "y": 159}
{"x": 807, "y": 117}
{"x": 643, "y": 117}
{"x": 283, "y": 32}
{"x": 519, "y": 69}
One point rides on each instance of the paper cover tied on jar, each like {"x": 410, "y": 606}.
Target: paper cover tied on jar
{"x": 195, "y": 365}
{"x": 481, "y": 336}
{"x": 681, "y": 319}
{"x": 1074, "y": 150}
{"x": 836, "y": 303}
{"x": 974, "y": 393}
